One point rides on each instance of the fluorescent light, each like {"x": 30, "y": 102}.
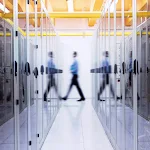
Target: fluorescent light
{"x": 70, "y": 5}
{"x": 4, "y": 9}
{"x": 107, "y": 4}
{"x": 112, "y": 5}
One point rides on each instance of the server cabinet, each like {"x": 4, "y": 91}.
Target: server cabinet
{"x": 6, "y": 74}
{"x": 8, "y": 71}
{"x": 143, "y": 59}
{"x": 2, "y": 66}
{"x": 143, "y": 103}
{"x": 7, "y": 127}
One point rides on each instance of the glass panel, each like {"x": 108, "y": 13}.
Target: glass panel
{"x": 143, "y": 90}
{"x": 101, "y": 74}
{"x": 119, "y": 103}
{"x": 41, "y": 119}
{"x": 32, "y": 99}
{"x": 46, "y": 85}
{"x": 119, "y": 52}
{"x": 128, "y": 95}
{"x": 49, "y": 78}
{"x": 6, "y": 90}
{"x": 112, "y": 80}
{"x": 23, "y": 93}
{"x": 102, "y": 90}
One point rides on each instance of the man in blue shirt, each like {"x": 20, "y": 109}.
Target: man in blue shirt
{"x": 106, "y": 68}
{"x": 74, "y": 70}
{"x": 51, "y": 76}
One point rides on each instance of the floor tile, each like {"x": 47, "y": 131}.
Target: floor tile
{"x": 77, "y": 127}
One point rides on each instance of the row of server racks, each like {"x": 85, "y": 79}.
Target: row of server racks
{"x": 25, "y": 118}
{"x": 121, "y": 95}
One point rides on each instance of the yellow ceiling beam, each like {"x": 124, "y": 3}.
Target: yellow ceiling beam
{"x": 95, "y": 6}
{"x": 140, "y": 5}
{"x": 80, "y": 34}
{"x": 74, "y": 34}
{"x": 128, "y": 14}
{"x": 8, "y": 5}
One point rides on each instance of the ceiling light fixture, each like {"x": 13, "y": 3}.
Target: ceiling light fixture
{"x": 3, "y": 8}
{"x": 106, "y": 6}
{"x": 112, "y": 5}
{"x": 70, "y": 5}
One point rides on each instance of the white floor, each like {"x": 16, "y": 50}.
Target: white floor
{"x": 77, "y": 127}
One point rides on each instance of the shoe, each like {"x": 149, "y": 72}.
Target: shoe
{"x": 118, "y": 97}
{"x": 82, "y": 99}
{"x": 45, "y": 98}
{"x": 98, "y": 98}
{"x": 102, "y": 100}
{"x": 64, "y": 98}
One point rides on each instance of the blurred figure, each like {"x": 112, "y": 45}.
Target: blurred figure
{"x": 106, "y": 79}
{"x": 130, "y": 79}
{"x": 74, "y": 71}
{"x": 130, "y": 69}
{"x": 51, "y": 76}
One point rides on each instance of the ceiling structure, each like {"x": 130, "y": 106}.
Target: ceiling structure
{"x": 76, "y": 6}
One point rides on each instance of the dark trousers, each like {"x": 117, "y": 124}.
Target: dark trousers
{"x": 104, "y": 83}
{"x": 51, "y": 83}
{"x": 75, "y": 82}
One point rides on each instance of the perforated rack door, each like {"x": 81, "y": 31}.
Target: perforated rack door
{"x": 8, "y": 83}
{"x": 2, "y": 101}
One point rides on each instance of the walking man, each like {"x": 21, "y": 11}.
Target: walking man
{"x": 74, "y": 70}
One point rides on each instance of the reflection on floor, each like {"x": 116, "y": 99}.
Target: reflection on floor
{"x": 45, "y": 117}
{"x": 143, "y": 125}
{"x": 77, "y": 127}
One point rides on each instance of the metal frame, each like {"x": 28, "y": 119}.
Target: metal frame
{"x": 36, "y": 79}
{"x": 28, "y": 77}
{"x": 115, "y": 50}
{"x": 16, "y": 78}
{"x": 15, "y": 35}
{"x": 42, "y": 78}
{"x": 123, "y": 75}
{"x": 95, "y": 15}
{"x": 134, "y": 47}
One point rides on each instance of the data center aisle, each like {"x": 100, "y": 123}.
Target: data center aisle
{"x": 77, "y": 127}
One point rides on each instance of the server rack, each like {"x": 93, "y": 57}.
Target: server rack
{"x": 7, "y": 110}
{"x": 20, "y": 98}
{"x": 126, "y": 121}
